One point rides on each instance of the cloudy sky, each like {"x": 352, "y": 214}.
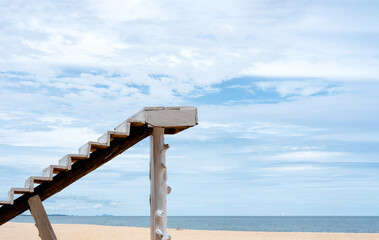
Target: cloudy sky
{"x": 287, "y": 93}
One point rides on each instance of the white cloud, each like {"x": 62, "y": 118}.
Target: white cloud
{"x": 30, "y": 162}
{"x": 55, "y": 137}
{"x": 195, "y": 44}
{"x": 294, "y": 169}
{"x": 6, "y": 116}
{"x": 96, "y": 206}
{"x": 50, "y": 119}
{"x": 343, "y": 70}
{"x": 130, "y": 10}
{"x": 318, "y": 156}
{"x": 207, "y": 125}
{"x": 62, "y": 206}
{"x": 301, "y": 87}
{"x": 130, "y": 162}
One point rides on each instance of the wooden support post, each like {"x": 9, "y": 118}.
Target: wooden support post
{"x": 45, "y": 229}
{"x": 158, "y": 185}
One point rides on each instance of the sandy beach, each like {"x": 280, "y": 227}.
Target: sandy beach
{"x": 27, "y": 231}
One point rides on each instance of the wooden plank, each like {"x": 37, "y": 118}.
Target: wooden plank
{"x": 43, "y": 224}
{"x": 172, "y": 118}
{"x": 78, "y": 170}
{"x": 167, "y": 117}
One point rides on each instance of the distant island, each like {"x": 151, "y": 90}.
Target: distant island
{"x": 49, "y": 215}
{"x": 64, "y": 215}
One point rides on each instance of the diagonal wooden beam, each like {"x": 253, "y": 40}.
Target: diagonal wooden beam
{"x": 78, "y": 170}
{"x": 43, "y": 224}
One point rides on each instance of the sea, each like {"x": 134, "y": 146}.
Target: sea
{"x": 265, "y": 224}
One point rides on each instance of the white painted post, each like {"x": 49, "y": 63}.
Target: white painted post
{"x": 158, "y": 185}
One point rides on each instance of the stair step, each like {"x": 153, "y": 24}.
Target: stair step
{"x": 69, "y": 159}
{"x": 21, "y": 190}
{"x": 29, "y": 183}
{"x": 5, "y": 203}
{"x": 77, "y": 157}
{"x": 89, "y": 147}
{"x": 39, "y": 180}
{"x": 110, "y": 135}
{"x": 53, "y": 169}
{"x": 95, "y": 146}
{"x": 115, "y": 134}
{"x": 57, "y": 169}
{"x": 124, "y": 127}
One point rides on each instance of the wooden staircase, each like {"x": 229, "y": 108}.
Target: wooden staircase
{"x": 94, "y": 154}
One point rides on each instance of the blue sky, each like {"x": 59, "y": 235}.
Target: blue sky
{"x": 287, "y": 93}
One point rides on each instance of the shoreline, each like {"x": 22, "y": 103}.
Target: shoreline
{"x": 14, "y": 230}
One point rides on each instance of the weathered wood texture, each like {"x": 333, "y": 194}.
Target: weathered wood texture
{"x": 158, "y": 185}
{"x": 78, "y": 170}
{"x": 45, "y": 229}
{"x": 172, "y": 118}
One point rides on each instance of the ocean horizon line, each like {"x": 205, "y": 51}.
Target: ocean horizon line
{"x": 111, "y": 215}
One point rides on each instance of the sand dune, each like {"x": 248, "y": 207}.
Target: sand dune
{"x": 27, "y": 231}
